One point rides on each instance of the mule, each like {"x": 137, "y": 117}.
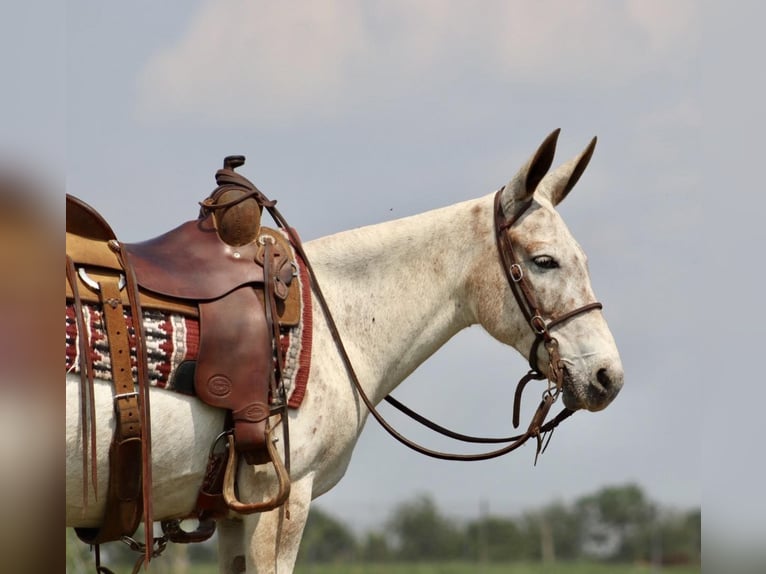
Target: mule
{"x": 398, "y": 291}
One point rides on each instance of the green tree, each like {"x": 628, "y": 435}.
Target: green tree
{"x": 375, "y": 548}
{"x": 677, "y": 537}
{"x": 552, "y": 533}
{"x": 421, "y": 533}
{"x": 326, "y": 539}
{"x": 617, "y": 523}
{"x": 496, "y": 539}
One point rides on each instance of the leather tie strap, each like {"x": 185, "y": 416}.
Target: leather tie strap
{"x": 142, "y": 375}
{"x": 123, "y": 504}
{"x": 87, "y": 400}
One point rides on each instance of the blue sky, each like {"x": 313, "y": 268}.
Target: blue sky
{"x": 356, "y": 113}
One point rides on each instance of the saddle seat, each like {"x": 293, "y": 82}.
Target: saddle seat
{"x": 178, "y": 269}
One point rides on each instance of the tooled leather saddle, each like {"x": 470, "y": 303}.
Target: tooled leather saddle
{"x": 223, "y": 268}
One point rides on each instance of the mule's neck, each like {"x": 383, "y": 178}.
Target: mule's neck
{"x": 400, "y": 290}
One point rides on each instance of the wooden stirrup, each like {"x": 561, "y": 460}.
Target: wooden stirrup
{"x": 283, "y": 477}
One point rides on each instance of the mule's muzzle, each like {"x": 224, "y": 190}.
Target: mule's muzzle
{"x": 608, "y": 381}
{"x": 595, "y": 393}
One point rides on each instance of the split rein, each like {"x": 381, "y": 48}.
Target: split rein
{"x": 538, "y": 427}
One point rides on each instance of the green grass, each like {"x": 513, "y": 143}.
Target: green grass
{"x": 469, "y": 568}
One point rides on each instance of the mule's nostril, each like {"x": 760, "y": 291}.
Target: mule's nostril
{"x": 603, "y": 378}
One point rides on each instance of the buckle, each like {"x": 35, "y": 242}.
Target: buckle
{"x": 538, "y": 325}
{"x": 517, "y": 273}
{"x": 94, "y": 285}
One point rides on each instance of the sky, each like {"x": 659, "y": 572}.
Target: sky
{"x": 356, "y": 113}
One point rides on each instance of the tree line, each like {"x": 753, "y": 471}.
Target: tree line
{"x": 615, "y": 524}
{"x": 612, "y": 524}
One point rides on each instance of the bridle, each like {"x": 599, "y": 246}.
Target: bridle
{"x": 522, "y": 292}
{"x": 524, "y": 295}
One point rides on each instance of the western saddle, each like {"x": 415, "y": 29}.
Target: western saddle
{"x": 236, "y": 277}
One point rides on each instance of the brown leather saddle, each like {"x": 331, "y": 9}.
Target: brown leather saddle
{"x": 235, "y": 275}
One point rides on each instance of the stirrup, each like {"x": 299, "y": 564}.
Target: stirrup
{"x": 283, "y": 477}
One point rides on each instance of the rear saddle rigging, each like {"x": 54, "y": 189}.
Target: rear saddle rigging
{"x": 236, "y": 277}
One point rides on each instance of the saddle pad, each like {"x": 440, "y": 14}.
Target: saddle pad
{"x": 172, "y": 339}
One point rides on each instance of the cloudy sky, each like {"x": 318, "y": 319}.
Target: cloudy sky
{"x": 355, "y": 113}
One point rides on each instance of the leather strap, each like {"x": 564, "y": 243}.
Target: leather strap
{"x": 123, "y": 503}
{"x": 142, "y": 374}
{"x": 273, "y": 259}
{"x": 87, "y": 400}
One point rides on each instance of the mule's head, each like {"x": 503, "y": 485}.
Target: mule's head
{"x": 555, "y": 269}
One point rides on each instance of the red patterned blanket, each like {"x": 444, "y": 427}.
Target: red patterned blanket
{"x": 172, "y": 339}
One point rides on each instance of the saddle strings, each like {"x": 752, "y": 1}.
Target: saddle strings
{"x": 87, "y": 399}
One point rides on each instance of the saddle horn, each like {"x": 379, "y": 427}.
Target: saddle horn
{"x": 232, "y": 162}
{"x": 236, "y": 204}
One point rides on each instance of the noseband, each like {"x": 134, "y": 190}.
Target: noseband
{"x": 527, "y": 302}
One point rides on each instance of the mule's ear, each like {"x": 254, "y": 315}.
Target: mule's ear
{"x": 521, "y": 188}
{"x": 558, "y": 183}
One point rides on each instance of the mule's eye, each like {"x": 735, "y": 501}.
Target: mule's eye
{"x": 545, "y": 262}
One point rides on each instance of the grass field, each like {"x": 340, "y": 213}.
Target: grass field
{"x": 469, "y": 568}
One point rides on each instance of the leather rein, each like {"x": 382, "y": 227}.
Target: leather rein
{"x": 522, "y": 291}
